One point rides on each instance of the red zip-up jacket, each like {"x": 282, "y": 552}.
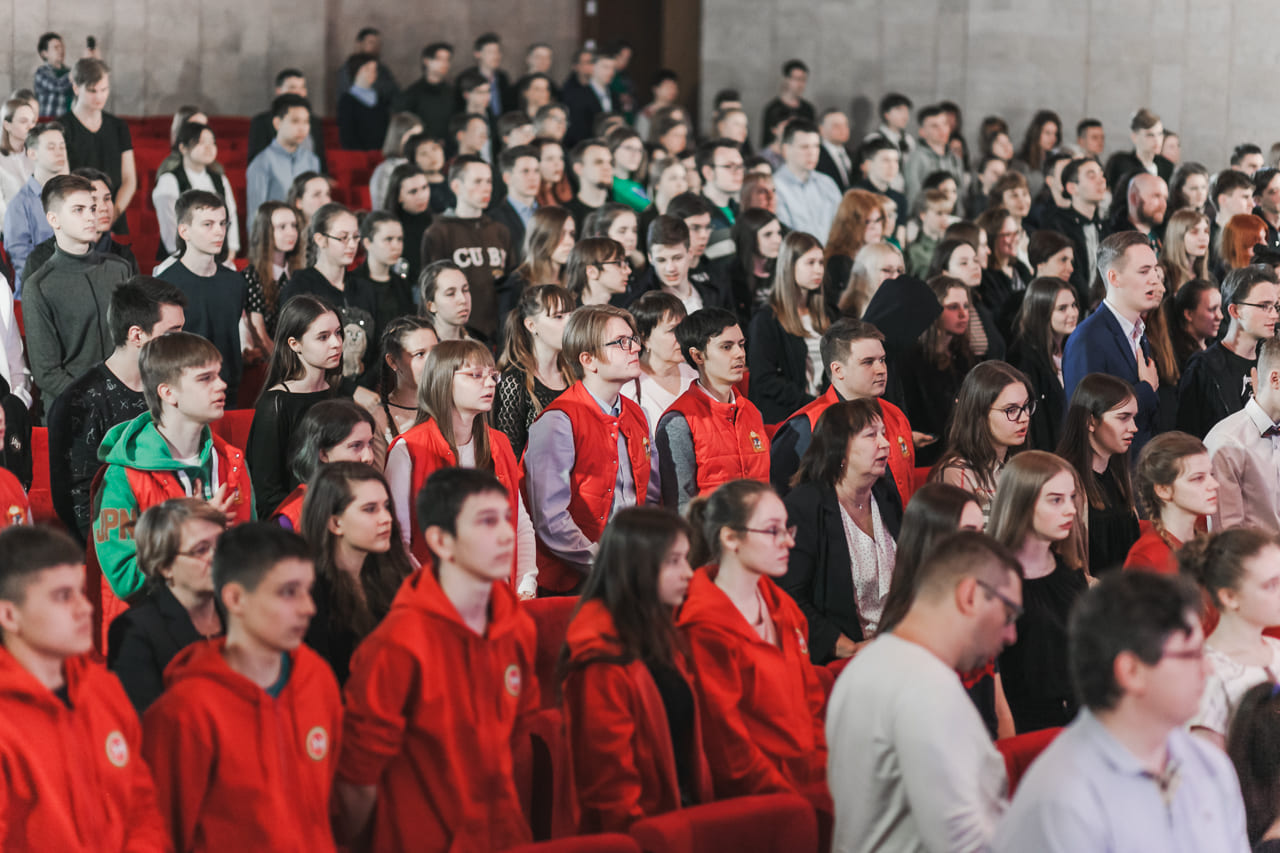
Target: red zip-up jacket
{"x": 73, "y": 778}
{"x": 432, "y": 711}
{"x": 623, "y": 761}
{"x": 761, "y": 705}
{"x": 236, "y": 769}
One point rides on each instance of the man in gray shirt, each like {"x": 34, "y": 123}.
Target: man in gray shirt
{"x": 933, "y": 154}
{"x": 807, "y": 199}
{"x": 1126, "y": 774}
{"x": 911, "y": 766}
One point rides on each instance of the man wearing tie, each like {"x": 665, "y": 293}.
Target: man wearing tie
{"x": 834, "y": 161}
{"x": 1112, "y": 340}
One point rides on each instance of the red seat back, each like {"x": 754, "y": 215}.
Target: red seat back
{"x": 769, "y": 823}
{"x": 41, "y": 495}
{"x": 233, "y": 427}
{"x": 605, "y": 843}
{"x": 1020, "y": 750}
{"x": 551, "y": 615}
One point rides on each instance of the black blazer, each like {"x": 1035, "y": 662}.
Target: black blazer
{"x": 144, "y": 639}
{"x": 1051, "y": 402}
{"x": 505, "y": 214}
{"x": 777, "y": 361}
{"x": 827, "y": 166}
{"x": 819, "y": 573}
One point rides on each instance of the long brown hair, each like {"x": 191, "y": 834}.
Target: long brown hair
{"x": 957, "y": 351}
{"x": 262, "y": 245}
{"x": 517, "y": 352}
{"x": 786, "y": 297}
{"x": 540, "y": 240}
{"x": 1013, "y": 510}
{"x": 1178, "y": 266}
{"x": 435, "y": 394}
{"x": 848, "y": 228}
{"x": 1095, "y": 395}
{"x": 969, "y": 440}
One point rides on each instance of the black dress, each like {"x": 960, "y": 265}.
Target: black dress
{"x": 275, "y": 419}
{"x": 928, "y": 396}
{"x": 1112, "y": 529}
{"x": 1037, "y": 682}
{"x": 513, "y": 409}
{"x": 1046, "y": 424}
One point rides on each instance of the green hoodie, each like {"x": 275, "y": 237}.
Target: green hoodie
{"x": 138, "y": 445}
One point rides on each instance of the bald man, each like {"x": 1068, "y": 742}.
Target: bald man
{"x": 1147, "y": 199}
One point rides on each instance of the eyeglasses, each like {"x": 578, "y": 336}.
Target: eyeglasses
{"x": 1015, "y": 413}
{"x": 481, "y": 374}
{"x": 621, "y": 263}
{"x": 776, "y": 532}
{"x": 1012, "y": 609}
{"x": 202, "y": 551}
{"x": 626, "y": 343}
{"x": 343, "y": 238}
{"x": 1263, "y": 306}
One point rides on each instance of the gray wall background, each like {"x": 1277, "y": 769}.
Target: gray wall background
{"x": 223, "y": 55}
{"x": 1205, "y": 66}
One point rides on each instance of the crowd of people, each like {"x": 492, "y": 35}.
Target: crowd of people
{"x": 854, "y": 459}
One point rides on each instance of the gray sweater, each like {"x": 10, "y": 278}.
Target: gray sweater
{"x": 64, "y": 307}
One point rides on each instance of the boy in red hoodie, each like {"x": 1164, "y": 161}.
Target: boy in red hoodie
{"x": 440, "y": 690}
{"x": 73, "y": 778}
{"x": 244, "y": 740}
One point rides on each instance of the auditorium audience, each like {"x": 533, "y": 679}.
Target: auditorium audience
{"x": 518, "y": 167}
{"x": 382, "y": 238}
{"x": 176, "y": 541}
{"x": 1250, "y": 746}
{"x": 665, "y": 374}
{"x": 807, "y": 199}
{"x": 307, "y": 193}
{"x": 1185, "y": 254}
{"x": 1195, "y": 318}
{"x": 97, "y": 138}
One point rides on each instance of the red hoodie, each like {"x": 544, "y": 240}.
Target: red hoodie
{"x": 761, "y": 704}
{"x": 236, "y": 769}
{"x": 73, "y": 778}
{"x": 432, "y": 711}
{"x": 624, "y": 763}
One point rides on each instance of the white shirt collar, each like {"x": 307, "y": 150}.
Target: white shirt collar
{"x": 1126, "y": 325}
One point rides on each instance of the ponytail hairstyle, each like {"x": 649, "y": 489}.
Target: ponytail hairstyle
{"x": 435, "y": 394}
{"x": 392, "y": 347}
{"x": 329, "y": 493}
{"x": 729, "y": 506}
{"x": 1160, "y": 464}
{"x": 1216, "y": 560}
{"x": 517, "y": 352}
{"x": 296, "y": 317}
{"x": 320, "y": 227}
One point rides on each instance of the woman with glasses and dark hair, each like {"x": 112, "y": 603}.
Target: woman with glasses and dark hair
{"x": 847, "y": 515}
{"x": 991, "y": 417}
{"x": 176, "y": 540}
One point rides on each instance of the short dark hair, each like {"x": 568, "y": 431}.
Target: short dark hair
{"x": 507, "y": 159}
{"x": 365, "y": 32}
{"x": 579, "y": 151}
{"x": 246, "y": 553}
{"x": 193, "y": 200}
{"x": 1086, "y": 124}
{"x": 285, "y": 74}
{"x": 435, "y": 47}
{"x": 94, "y": 176}
{"x": 966, "y": 553}
{"x": 726, "y": 96}
{"x": 705, "y": 155}
{"x": 470, "y": 80}
{"x": 824, "y": 459}
{"x": 442, "y": 497}
{"x": 33, "y": 136}
{"x": 281, "y": 104}
{"x": 1244, "y": 149}
{"x": 797, "y": 126}
{"x": 137, "y": 303}
{"x": 1054, "y": 157}
{"x": 688, "y": 205}
{"x": 43, "y": 44}
{"x": 840, "y": 337}
{"x": 514, "y": 120}
{"x": 1132, "y": 612}
{"x": 484, "y": 40}
{"x": 697, "y": 330}
{"x": 57, "y": 188}
{"x": 1238, "y": 282}
{"x": 356, "y": 61}
{"x": 794, "y": 65}
{"x": 873, "y": 146}
{"x": 662, "y": 75}
{"x": 460, "y": 164}
{"x": 458, "y": 122}
{"x": 1044, "y": 244}
{"x": 1263, "y": 178}
{"x": 29, "y": 550}
{"x": 1227, "y": 181}
{"x": 1071, "y": 172}
{"x": 892, "y": 101}
{"x": 188, "y": 134}
{"x": 667, "y": 230}
{"x": 652, "y": 308}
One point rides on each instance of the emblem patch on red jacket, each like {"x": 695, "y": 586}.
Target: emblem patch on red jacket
{"x": 317, "y": 743}
{"x": 756, "y": 444}
{"x": 902, "y": 445}
{"x": 804, "y": 645}
{"x": 117, "y": 749}
{"x": 512, "y": 680}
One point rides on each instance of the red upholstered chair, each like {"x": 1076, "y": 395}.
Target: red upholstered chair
{"x": 607, "y": 843}
{"x": 41, "y": 495}
{"x": 551, "y": 615}
{"x": 1020, "y": 750}
{"x": 921, "y": 476}
{"x": 770, "y": 823}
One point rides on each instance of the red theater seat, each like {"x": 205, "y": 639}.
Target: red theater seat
{"x": 1020, "y": 750}
{"x": 41, "y": 497}
{"x": 551, "y": 616}
{"x": 233, "y": 427}
{"x": 611, "y": 843}
{"x": 771, "y": 823}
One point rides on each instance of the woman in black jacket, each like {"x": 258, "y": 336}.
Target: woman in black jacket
{"x": 1049, "y": 314}
{"x": 847, "y": 515}
{"x": 783, "y": 341}
{"x": 175, "y": 540}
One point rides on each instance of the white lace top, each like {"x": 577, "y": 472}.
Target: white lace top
{"x": 1227, "y": 683}
{"x": 871, "y": 559}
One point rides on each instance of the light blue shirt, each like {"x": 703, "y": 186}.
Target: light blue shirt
{"x": 272, "y": 172}
{"x": 1087, "y": 792}
{"x": 524, "y": 211}
{"x": 808, "y": 205}
{"x": 24, "y": 228}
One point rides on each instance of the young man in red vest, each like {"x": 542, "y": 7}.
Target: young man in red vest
{"x": 853, "y": 352}
{"x": 444, "y": 687}
{"x": 167, "y": 452}
{"x": 709, "y": 435}
{"x": 588, "y": 452}
{"x": 70, "y": 741}
{"x": 244, "y": 740}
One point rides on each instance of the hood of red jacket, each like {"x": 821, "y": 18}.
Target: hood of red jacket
{"x": 19, "y": 685}
{"x": 592, "y": 634}
{"x": 422, "y": 592}
{"x": 205, "y": 660}
{"x": 708, "y": 606}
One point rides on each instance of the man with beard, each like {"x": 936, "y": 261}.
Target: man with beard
{"x": 1147, "y": 199}
{"x": 911, "y": 765}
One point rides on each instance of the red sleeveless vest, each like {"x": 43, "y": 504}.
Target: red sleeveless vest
{"x": 595, "y": 449}
{"x": 729, "y": 439}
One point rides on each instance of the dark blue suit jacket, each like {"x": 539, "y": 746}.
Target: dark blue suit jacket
{"x": 1098, "y": 345}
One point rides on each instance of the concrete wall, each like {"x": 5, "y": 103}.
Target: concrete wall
{"x": 222, "y": 55}
{"x": 1203, "y": 65}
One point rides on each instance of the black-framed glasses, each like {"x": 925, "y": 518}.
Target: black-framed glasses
{"x": 775, "y": 531}
{"x": 202, "y": 551}
{"x": 626, "y": 343}
{"x": 1015, "y": 413}
{"x": 1263, "y": 306}
{"x": 343, "y": 238}
{"x": 1012, "y": 609}
{"x": 619, "y": 262}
